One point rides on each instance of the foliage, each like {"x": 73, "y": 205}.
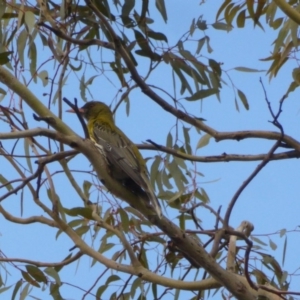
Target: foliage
{"x": 117, "y": 48}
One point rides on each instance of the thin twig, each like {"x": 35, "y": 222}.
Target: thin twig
{"x": 79, "y": 115}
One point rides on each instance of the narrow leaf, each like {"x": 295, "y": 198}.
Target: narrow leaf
{"x": 36, "y": 273}
{"x": 203, "y": 141}
{"x": 245, "y": 69}
{"x": 27, "y": 154}
{"x": 29, "y": 19}
{"x": 202, "y": 94}
{"x": 243, "y": 98}
{"x": 284, "y": 250}
{"x": 5, "y": 183}
{"x": 16, "y": 289}
{"x": 160, "y": 5}
{"x": 21, "y": 43}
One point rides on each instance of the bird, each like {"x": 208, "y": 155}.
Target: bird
{"x": 123, "y": 158}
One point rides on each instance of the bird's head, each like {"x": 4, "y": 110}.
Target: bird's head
{"x": 93, "y": 110}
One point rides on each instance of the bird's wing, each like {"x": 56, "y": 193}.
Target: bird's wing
{"x": 119, "y": 153}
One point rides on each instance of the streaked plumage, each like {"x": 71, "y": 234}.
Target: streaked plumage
{"x": 124, "y": 160}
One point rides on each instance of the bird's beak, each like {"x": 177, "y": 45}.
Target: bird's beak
{"x": 80, "y": 110}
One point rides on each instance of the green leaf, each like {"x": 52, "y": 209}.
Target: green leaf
{"x": 157, "y": 36}
{"x": 272, "y": 244}
{"x": 33, "y": 58}
{"x": 257, "y": 240}
{"x": 4, "y": 289}
{"x": 243, "y": 98}
{"x": 222, "y": 26}
{"x": 222, "y": 7}
{"x": 160, "y": 5}
{"x": 141, "y": 40}
{"x": 5, "y": 183}
{"x": 82, "y": 88}
{"x": 187, "y": 141}
{"x": 201, "y": 42}
{"x": 82, "y": 230}
{"x": 127, "y": 7}
{"x": 153, "y": 56}
{"x": 100, "y": 291}
{"x": 21, "y": 43}
{"x": 261, "y": 278}
{"x": 277, "y": 23}
{"x": 284, "y": 250}
{"x": 43, "y": 75}
{"x": 27, "y": 154}
{"x": 105, "y": 247}
{"x": 74, "y": 68}
{"x": 215, "y": 66}
{"x": 166, "y": 180}
{"x": 241, "y": 18}
{"x": 102, "y": 288}
{"x": 76, "y": 222}
{"x": 86, "y": 188}
{"x": 29, "y": 279}
{"x": 105, "y": 9}
{"x": 205, "y": 196}
{"x": 124, "y": 219}
{"x": 203, "y": 141}
{"x": 245, "y": 69}
{"x": 282, "y": 232}
{"x": 202, "y": 94}
{"x": 292, "y": 87}
{"x": 54, "y": 274}
{"x": 85, "y": 212}
{"x": 16, "y": 289}
{"x": 29, "y": 19}
{"x": 112, "y": 278}
{"x": 169, "y": 140}
{"x": 180, "y": 162}
{"x": 137, "y": 283}
{"x": 182, "y": 222}
{"x": 209, "y": 48}
{"x": 201, "y": 24}
{"x": 36, "y": 273}
{"x": 154, "y": 290}
{"x": 158, "y": 181}
{"x": 200, "y": 196}
{"x": 154, "y": 170}
{"x": 192, "y": 27}
{"x": 283, "y": 277}
{"x": 184, "y": 83}
{"x": 54, "y": 291}
{"x": 176, "y": 174}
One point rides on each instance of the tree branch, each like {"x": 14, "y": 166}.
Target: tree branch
{"x": 26, "y": 221}
{"x": 43, "y": 264}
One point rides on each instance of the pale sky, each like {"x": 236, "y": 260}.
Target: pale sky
{"x": 270, "y": 202}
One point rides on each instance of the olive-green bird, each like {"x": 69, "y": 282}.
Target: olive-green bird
{"x": 124, "y": 160}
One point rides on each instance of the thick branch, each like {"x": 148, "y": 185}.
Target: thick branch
{"x": 35, "y": 104}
